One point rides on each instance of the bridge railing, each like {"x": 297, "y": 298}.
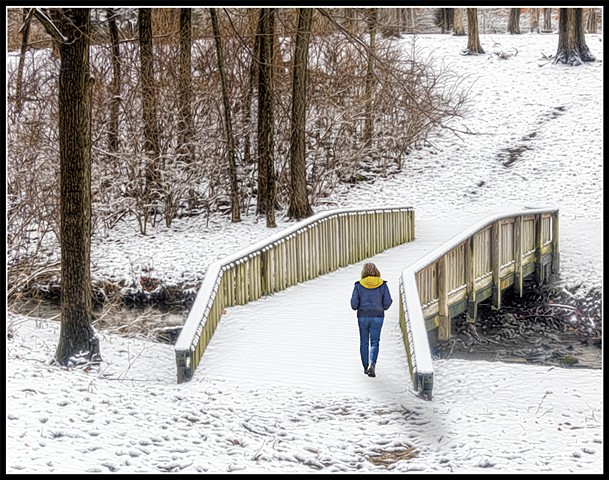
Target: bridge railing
{"x": 492, "y": 255}
{"x": 310, "y": 248}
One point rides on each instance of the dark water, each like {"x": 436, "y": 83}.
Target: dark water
{"x": 505, "y": 337}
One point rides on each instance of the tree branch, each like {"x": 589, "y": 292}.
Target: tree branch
{"x": 48, "y": 24}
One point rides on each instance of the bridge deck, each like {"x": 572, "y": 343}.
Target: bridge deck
{"x": 307, "y": 335}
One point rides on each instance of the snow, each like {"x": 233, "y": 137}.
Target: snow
{"x": 280, "y": 388}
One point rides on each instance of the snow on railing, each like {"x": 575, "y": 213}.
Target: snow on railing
{"x": 318, "y": 245}
{"x": 491, "y": 251}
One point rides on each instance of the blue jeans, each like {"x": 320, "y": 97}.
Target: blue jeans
{"x": 369, "y": 338}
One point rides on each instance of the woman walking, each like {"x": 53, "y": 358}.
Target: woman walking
{"x": 370, "y": 298}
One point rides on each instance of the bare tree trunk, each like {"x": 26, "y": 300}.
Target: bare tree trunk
{"x": 591, "y": 20}
{"x": 458, "y": 28}
{"x": 228, "y": 124}
{"x": 400, "y": 20}
{"x": 78, "y": 342}
{"x": 262, "y": 163}
{"x": 388, "y": 21}
{"x": 410, "y": 19}
{"x": 185, "y": 121}
{"x": 151, "y": 129}
{"x": 514, "y": 21}
{"x": 446, "y": 19}
{"x": 547, "y": 20}
{"x": 25, "y": 32}
{"x": 473, "y": 39}
{"x": 247, "y": 157}
{"x": 115, "y": 88}
{"x": 572, "y": 48}
{"x": 299, "y": 198}
{"x": 265, "y": 113}
{"x": 369, "y": 123}
{"x": 534, "y": 16}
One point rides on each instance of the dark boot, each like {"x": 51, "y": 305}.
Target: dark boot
{"x": 365, "y": 369}
{"x": 371, "y": 370}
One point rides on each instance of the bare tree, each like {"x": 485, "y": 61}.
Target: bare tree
{"x": 228, "y": 124}
{"x": 152, "y": 147}
{"x": 70, "y": 28}
{"x": 458, "y": 28}
{"x": 514, "y": 21}
{"x": 446, "y": 19}
{"x": 25, "y": 30}
{"x": 473, "y": 39}
{"x": 389, "y": 21}
{"x": 572, "y": 48}
{"x": 266, "y": 170}
{"x": 115, "y": 88}
{"x": 185, "y": 121}
{"x": 410, "y": 19}
{"x": 534, "y": 18}
{"x": 299, "y": 200}
{"x": 253, "y": 74}
{"x": 591, "y": 20}
{"x": 547, "y": 20}
{"x": 261, "y": 199}
{"x": 369, "y": 123}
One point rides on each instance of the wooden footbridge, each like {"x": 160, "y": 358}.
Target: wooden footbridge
{"x": 481, "y": 262}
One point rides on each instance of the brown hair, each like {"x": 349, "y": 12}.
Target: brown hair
{"x": 370, "y": 270}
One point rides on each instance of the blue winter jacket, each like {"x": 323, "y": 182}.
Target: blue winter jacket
{"x": 371, "y": 297}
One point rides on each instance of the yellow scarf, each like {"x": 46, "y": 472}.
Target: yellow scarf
{"x": 371, "y": 282}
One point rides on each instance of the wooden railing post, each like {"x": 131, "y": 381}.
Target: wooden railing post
{"x": 343, "y": 236}
{"x": 293, "y": 260}
{"x": 471, "y": 314}
{"x": 539, "y": 276}
{"x": 239, "y": 283}
{"x": 264, "y": 271}
{"x": 496, "y": 264}
{"x": 444, "y": 319}
{"x": 231, "y": 274}
{"x": 336, "y": 242}
{"x": 359, "y": 237}
{"x": 283, "y": 246}
{"x": 373, "y": 222}
{"x": 257, "y": 276}
{"x": 555, "y": 245}
{"x": 307, "y": 261}
{"x": 411, "y": 222}
{"x": 325, "y": 258}
{"x": 518, "y": 277}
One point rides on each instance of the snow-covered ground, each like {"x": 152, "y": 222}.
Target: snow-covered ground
{"x": 310, "y": 409}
